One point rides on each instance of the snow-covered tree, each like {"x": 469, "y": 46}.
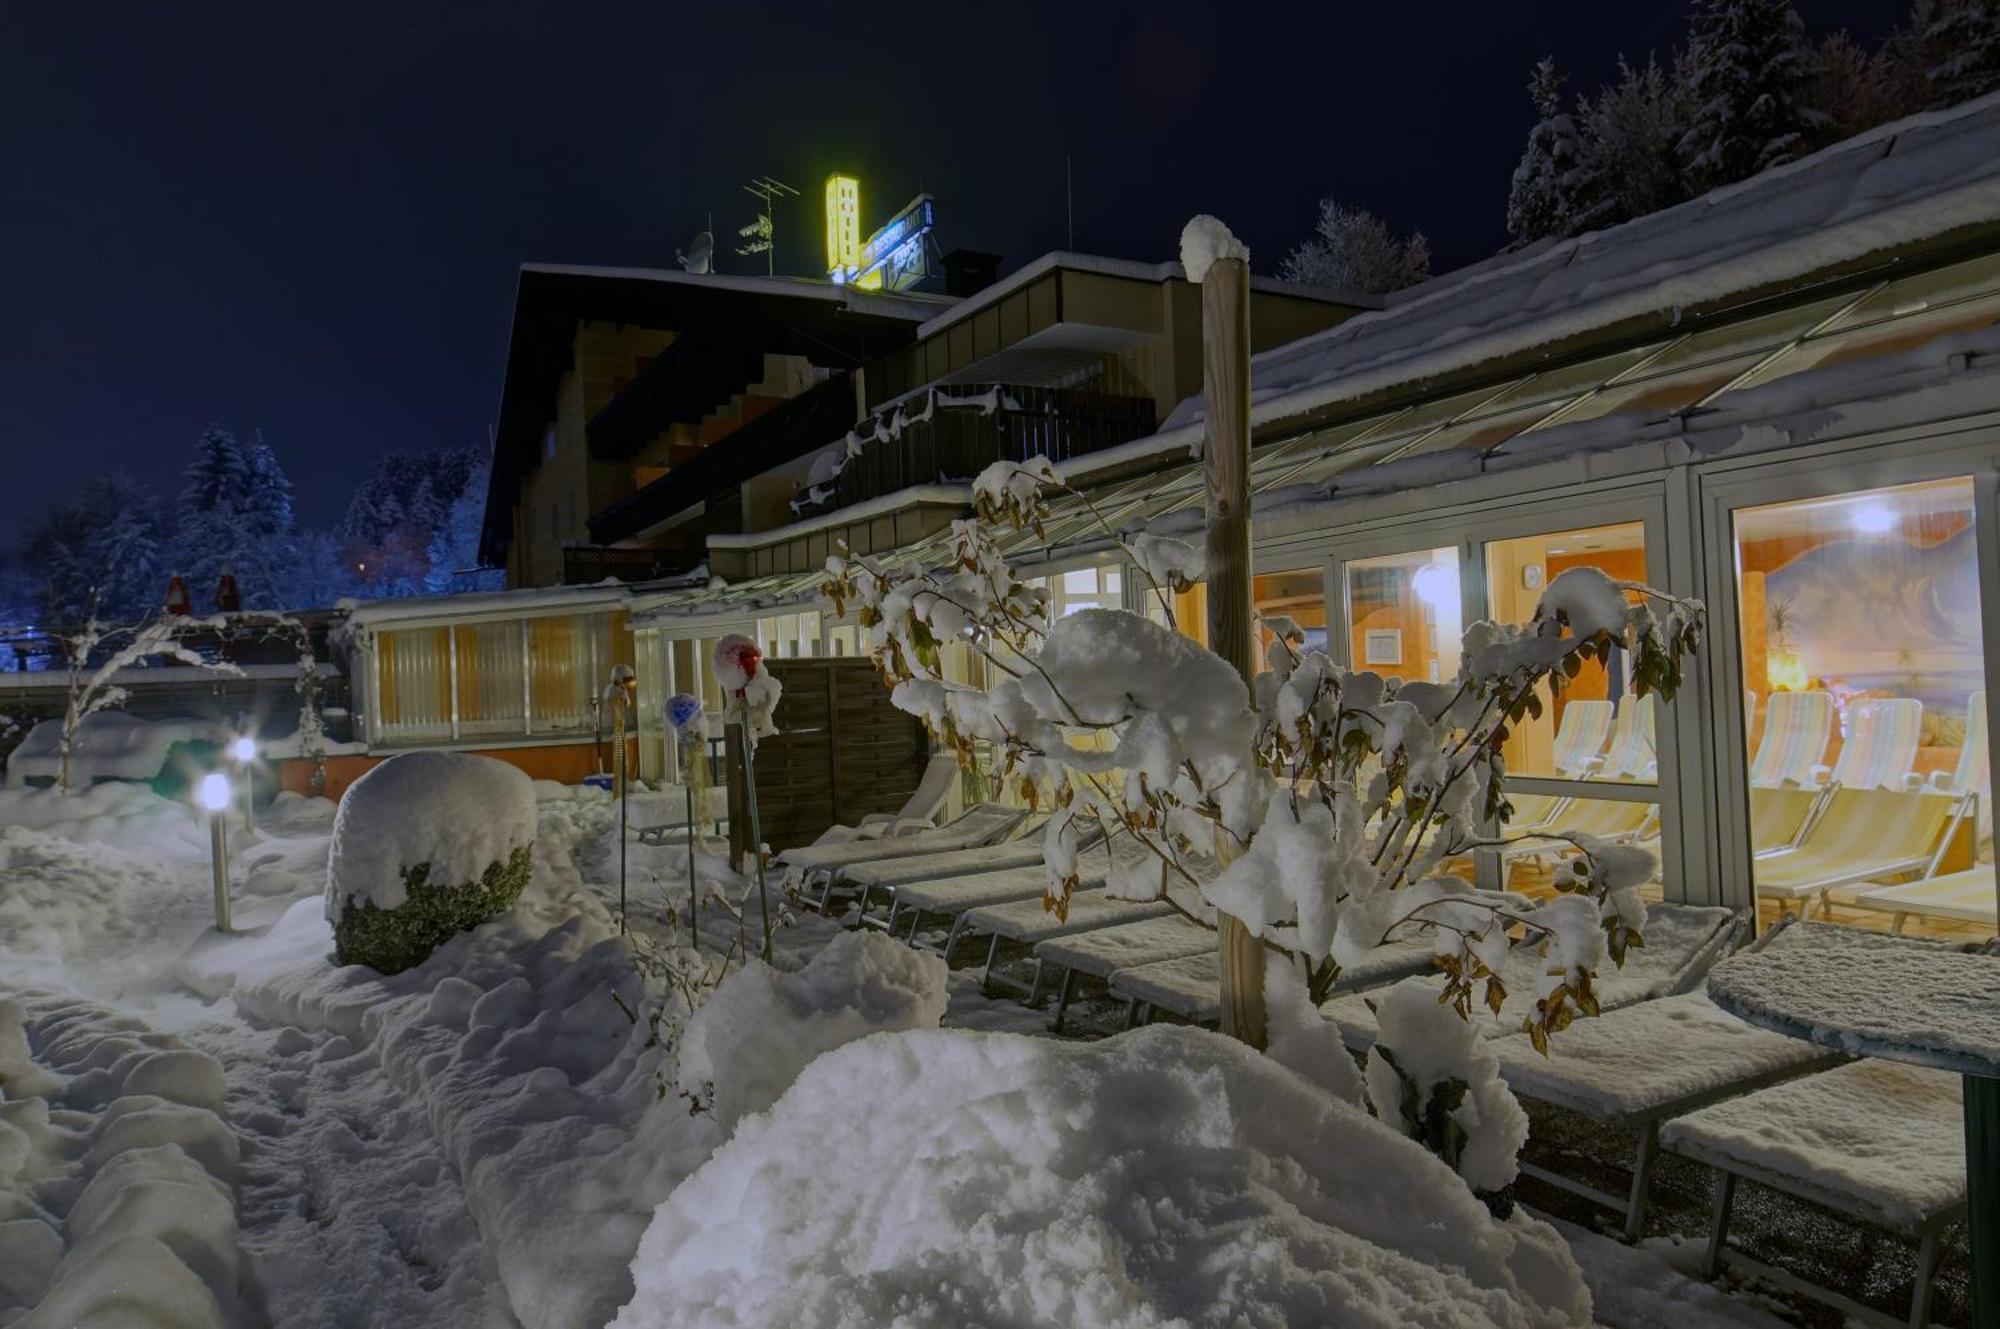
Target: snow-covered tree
{"x": 1551, "y": 193}
{"x": 210, "y": 516}
{"x": 1631, "y": 134}
{"x": 1352, "y": 249}
{"x": 98, "y": 650}
{"x": 103, "y": 549}
{"x": 1335, "y": 797}
{"x": 1748, "y": 72}
{"x": 396, "y": 513}
{"x": 1964, "y": 38}
{"x": 454, "y": 547}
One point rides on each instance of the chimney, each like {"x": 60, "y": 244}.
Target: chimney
{"x": 967, "y": 272}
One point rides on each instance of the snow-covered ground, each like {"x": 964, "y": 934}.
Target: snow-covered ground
{"x": 537, "y": 1127}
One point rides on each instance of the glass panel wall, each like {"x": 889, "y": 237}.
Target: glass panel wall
{"x": 414, "y": 673}
{"x": 492, "y": 696}
{"x": 1299, "y": 596}
{"x": 1865, "y": 706}
{"x": 1404, "y": 615}
{"x": 496, "y": 679}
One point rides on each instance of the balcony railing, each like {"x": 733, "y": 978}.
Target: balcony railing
{"x": 586, "y": 565}
{"x": 949, "y": 435}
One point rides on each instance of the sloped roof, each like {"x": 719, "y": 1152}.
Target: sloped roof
{"x": 1917, "y": 181}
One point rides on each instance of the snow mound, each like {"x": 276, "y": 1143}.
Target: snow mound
{"x": 459, "y": 813}
{"x": 68, "y": 908}
{"x": 762, "y": 1027}
{"x": 125, "y": 816}
{"x": 1164, "y": 1177}
{"x": 1205, "y": 241}
{"x": 117, "y": 1174}
{"x": 109, "y": 745}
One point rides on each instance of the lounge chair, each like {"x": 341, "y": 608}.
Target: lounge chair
{"x": 1683, "y": 942}
{"x": 1863, "y": 835}
{"x": 1191, "y": 986}
{"x": 918, "y": 814}
{"x": 1631, "y": 754}
{"x": 1021, "y": 847}
{"x": 1880, "y": 745}
{"x": 1029, "y": 922}
{"x": 956, "y": 897}
{"x": 1101, "y": 952}
{"x": 1580, "y": 737}
{"x": 1618, "y": 821}
{"x": 1781, "y": 818}
{"x": 1635, "y": 1067}
{"x": 1875, "y": 1140}
{"x": 980, "y": 824}
{"x": 1796, "y": 728}
{"x": 1960, "y": 897}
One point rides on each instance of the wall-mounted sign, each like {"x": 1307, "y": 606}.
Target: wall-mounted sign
{"x": 1382, "y": 646}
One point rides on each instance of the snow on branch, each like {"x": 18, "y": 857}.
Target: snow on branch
{"x": 1336, "y": 797}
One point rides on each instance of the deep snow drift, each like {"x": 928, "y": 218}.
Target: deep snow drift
{"x": 1164, "y": 1177}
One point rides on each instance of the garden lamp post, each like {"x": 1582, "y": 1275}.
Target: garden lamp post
{"x": 618, "y": 696}
{"x": 244, "y": 752}
{"x": 215, "y": 795}
{"x": 684, "y": 718}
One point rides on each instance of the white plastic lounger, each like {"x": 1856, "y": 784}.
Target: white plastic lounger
{"x": 1880, "y": 745}
{"x": 1029, "y": 923}
{"x": 1797, "y": 726}
{"x": 1682, "y": 943}
{"x": 1617, "y": 821}
{"x": 1632, "y": 754}
{"x": 1022, "y": 847}
{"x": 1191, "y": 986}
{"x": 1863, "y": 835}
{"x": 918, "y": 814}
{"x": 1875, "y": 1140}
{"x": 1960, "y": 897}
{"x": 1586, "y": 722}
{"x": 954, "y": 897}
{"x": 978, "y": 825}
{"x": 1633, "y": 1068}
{"x": 1101, "y": 952}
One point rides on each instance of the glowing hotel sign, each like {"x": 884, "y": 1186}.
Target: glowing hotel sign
{"x": 893, "y": 256}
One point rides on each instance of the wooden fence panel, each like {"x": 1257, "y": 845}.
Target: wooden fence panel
{"x": 842, "y": 752}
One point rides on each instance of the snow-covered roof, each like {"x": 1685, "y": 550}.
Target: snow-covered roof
{"x": 1909, "y": 182}
{"x": 607, "y": 594}
{"x": 911, "y": 305}
{"x": 1131, "y": 269}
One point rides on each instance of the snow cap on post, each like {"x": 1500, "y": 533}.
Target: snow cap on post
{"x": 1205, "y": 241}
{"x": 683, "y": 712}
{"x": 736, "y": 661}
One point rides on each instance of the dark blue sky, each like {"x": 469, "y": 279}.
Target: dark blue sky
{"x": 307, "y": 219}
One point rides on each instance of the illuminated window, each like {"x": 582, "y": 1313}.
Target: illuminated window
{"x": 1864, "y": 693}
{"x": 1403, "y": 615}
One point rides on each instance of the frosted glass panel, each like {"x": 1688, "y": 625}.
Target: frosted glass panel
{"x": 490, "y": 696}
{"x": 416, "y": 684}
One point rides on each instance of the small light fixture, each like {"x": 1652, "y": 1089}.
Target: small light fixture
{"x": 1436, "y": 584}
{"x": 214, "y": 793}
{"x": 244, "y": 749}
{"x": 1873, "y": 519}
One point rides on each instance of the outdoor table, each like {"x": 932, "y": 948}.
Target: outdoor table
{"x": 1900, "y": 1000}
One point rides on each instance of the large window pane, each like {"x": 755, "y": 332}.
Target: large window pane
{"x": 1403, "y": 615}
{"x": 490, "y": 694}
{"x": 1595, "y": 729}
{"x": 1865, "y": 704}
{"x": 414, "y": 672}
{"x": 1299, "y": 596}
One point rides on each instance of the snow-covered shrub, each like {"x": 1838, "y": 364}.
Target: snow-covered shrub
{"x": 1335, "y": 796}
{"x": 1166, "y": 1177}
{"x": 426, "y": 845}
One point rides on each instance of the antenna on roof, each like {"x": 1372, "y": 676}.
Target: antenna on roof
{"x": 761, "y": 235}
{"x": 1069, "y": 202}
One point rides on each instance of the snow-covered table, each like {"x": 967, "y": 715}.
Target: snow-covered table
{"x": 1906, "y": 1001}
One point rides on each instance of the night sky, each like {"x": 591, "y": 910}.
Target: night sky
{"x": 307, "y": 219}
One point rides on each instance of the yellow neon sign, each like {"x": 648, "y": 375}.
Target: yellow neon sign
{"x": 843, "y": 226}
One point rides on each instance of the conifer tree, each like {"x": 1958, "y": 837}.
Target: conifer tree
{"x": 1748, "y": 78}
{"x": 1548, "y": 195}
{"x": 1352, "y": 249}
{"x": 1965, "y": 37}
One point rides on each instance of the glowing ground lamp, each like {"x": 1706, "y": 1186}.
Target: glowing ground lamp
{"x": 214, "y": 795}
{"x": 736, "y": 662}
{"x": 243, "y": 751}
{"x": 618, "y": 696}
{"x": 684, "y": 718}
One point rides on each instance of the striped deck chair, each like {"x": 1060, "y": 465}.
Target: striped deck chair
{"x": 1869, "y": 835}
{"x": 1617, "y": 821}
{"x": 1974, "y": 772}
{"x": 1580, "y": 738}
{"x": 1880, "y": 746}
{"x": 1780, "y": 818}
{"x": 1796, "y": 728}
{"x": 1971, "y": 896}
{"x": 1631, "y": 755}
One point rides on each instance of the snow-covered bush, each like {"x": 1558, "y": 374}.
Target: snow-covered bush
{"x": 1166, "y": 1177}
{"x": 425, "y": 845}
{"x": 1335, "y": 796}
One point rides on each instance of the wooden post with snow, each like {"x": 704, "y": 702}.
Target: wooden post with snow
{"x": 1220, "y": 265}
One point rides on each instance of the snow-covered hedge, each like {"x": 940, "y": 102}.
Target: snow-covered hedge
{"x": 426, "y": 845}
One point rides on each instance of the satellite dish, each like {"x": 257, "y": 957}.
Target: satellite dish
{"x": 700, "y": 253}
